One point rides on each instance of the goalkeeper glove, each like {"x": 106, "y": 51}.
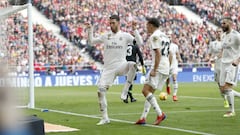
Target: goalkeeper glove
{"x": 143, "y": 70}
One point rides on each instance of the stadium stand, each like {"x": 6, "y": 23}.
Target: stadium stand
{"x": 70, "y": 16}
{"x": 213, "y": 10}
{"x": 50, "y": 54}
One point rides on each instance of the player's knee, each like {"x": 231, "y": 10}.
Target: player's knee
{"x": 102, "y": 89}
{"x": 227, "y": 87}
{"x": 174, "y": 79}
{"x": 147, "y": 89}
{"x": 221, "y": 89}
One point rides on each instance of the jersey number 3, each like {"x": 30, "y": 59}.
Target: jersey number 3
{"x": 129, "y": 50}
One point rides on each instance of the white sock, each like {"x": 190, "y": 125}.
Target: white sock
{"x": 152, "y": 100}
{"x": 103, "y": 104}
{"x": 224, "y": 96}
{"x": 230, "y": 98}
{"x": 175, "y": 88}
{"x": 146, "y": 109}
{"x": 235, "y": 93}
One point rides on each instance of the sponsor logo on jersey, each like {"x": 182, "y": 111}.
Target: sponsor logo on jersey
{"x": 114, "y": 47}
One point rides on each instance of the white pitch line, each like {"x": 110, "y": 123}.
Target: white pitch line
{"x": 187, "y": 111}
{"x": 124, "y": 121}
{"x": 200, "y": 97}
{"x": 211, "y": 98}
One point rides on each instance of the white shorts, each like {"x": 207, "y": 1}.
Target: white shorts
{"x": 109, "y": 73}
{"x": 156, "y": 82}
{"x": 228, "y": 74}
{"x": 174, "y": 68}
{"x": 173, "y": 71}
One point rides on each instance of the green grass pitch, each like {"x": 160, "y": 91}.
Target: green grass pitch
{"x": 199, "y": 111}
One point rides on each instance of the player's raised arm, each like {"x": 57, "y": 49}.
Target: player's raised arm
{"x": 137, "y": 35}
{"x": 92, "y": 40}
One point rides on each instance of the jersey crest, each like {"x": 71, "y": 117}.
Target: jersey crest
{"x": 108, "y": 36}
{"x": 155, "y": 39}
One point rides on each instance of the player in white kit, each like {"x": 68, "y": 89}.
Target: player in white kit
{"x": 159, "y": 45}
{"x": 230, "y": 62}
{"x": 115, "y": 64}
{"x": 174, "y": 70}
{"x": 215, "y": 50}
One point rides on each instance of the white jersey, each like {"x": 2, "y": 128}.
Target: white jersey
{"x": 115, "y": 45}
{"x": 231, "y": 46}
{"x": 159, "y": 40}
{"x": 174, "y": 50}
{"x": 215, "y": 48}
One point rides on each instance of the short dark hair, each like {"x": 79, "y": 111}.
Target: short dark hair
{"x": 227, "y": 18}
{"x": 115, "y": 17}
{"x": 154, "y": 21}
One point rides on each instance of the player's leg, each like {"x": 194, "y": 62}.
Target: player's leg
{"x": 148, "y": 90}
{"x": 128, "y": 68}
{"x": 168, "y": 88}
{"x": 217, "y": 79}
{"x": 132, "y": 99}
{"x": 130, "y": 95}
{"x": 230, "y": 97}
{"x": 228, "y": 78}
{"x": 175, "y": 87}
{"x": 105, "y": 81}
{"x": 161, "y": 81}
{"x": 150, "y": 101}
{"x": 103, "y": 105}
{"x": 224, "y": 96}
{"x": 145, "y": 112}
{"x": 126, "y": 100}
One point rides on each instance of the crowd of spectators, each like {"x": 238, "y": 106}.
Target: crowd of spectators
{"x": 213, "y": 10}
{"x": 51, "y": 55}
{"x": 4, "y": 4}
{"x": 70, "y": 15}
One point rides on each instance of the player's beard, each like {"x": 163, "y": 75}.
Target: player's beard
{"x": 114, "y": 29}
{"x": 225, "y": 29}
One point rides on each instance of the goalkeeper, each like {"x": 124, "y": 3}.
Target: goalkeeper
{"x": 132, "y": 52}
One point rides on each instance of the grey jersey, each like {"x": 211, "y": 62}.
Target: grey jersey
{"x": 231, "y": 46}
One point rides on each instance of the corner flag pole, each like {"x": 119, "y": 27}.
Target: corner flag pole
{"x": 30, "y": 45}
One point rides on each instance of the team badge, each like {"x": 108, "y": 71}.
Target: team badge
{"x": 108, "y": 36}
{"x": 155, "y": 39}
